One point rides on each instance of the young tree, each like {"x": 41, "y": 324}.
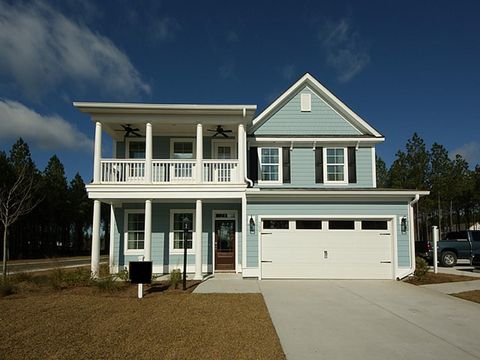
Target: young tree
{"x": 16, "y": 200}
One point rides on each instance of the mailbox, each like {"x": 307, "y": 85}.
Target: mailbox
{"x": 140, "y": 272}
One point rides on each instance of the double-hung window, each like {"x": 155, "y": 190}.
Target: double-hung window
{"x": 335, "y": 165}
{"x": 182, "y": 149}
{"x": 270, "y": 164}
{"x": 136, "y": 149}
{"x": 134, "y": 231}
{"x": 177, "y": 235}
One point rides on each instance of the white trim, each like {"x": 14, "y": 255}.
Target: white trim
{"x": 280, "y": 165}
{"x": 216, "y": 142}
{"x": 325, "y": 167}
{"x": 128, "y": 140}
{"x": 235, "y": 218}
{"x": 326, "y": 95}
{"x": 113, "y": 222}
{"x": 392, "y": 228}
{"x": 289, "y": 140}
{"x": 127, "y": 251}
{"x": 374, "y": 168}
{"x": 188, "y": 139}
{"x": 90, "y": 107}
{"x": 245, "y": 227}
{"x": 170, "y": 232}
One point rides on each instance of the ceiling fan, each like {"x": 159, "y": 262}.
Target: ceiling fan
{"x": 129, "y": 130}
{"x": 220, "y": 131}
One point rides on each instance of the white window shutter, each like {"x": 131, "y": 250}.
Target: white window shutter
{"x": 306, "y": 102}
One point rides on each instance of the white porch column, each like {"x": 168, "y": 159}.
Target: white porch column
{"x": 241, "y": 152}
{"x": 148, "y": 230}
{"x": 95, "y": 264}
{"x": 111, "y": 256}
{"x": 199, "y": 150}
{"x": 148, "y": 152}
{"x": 198, "y": 240}
{"x": 97, "y": 153}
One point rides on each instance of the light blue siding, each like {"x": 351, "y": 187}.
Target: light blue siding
{"x": 321, "y": 120}
{"x": 327, "y": 208}
{"x": 160, "y": 234}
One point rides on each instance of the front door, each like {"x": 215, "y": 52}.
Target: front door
{"x": 224, "y": 150}
{"x": 224, "y": 244}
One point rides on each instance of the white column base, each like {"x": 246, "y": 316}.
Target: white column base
{"x": 95, "y": 264}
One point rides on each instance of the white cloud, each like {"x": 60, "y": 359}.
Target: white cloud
{"x": 164, "y": 29}
{"x": 469, "y": 151}
{"x": 47, "y": 132}
{"x": 345, "y": 50}
{"x": 42, "y": 49}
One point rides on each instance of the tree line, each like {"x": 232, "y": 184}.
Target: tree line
{"x": 59, "y": 220}
{"x": 454, "y": 200}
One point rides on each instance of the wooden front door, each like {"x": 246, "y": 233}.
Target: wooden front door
{"x": 224, "y": 244}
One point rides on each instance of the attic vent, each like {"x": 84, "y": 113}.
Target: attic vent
{"x": 306, "y": 102}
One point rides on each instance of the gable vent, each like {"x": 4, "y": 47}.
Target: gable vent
{"x": 306, "y": 102}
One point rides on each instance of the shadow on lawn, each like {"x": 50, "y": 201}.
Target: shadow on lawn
{"x": 164, "y": 287}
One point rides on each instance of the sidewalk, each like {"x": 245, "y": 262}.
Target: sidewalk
{"x": 228, "y": 283}
{"x": 454, "y": 287}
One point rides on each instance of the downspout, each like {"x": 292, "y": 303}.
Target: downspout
{"x": 250, "y": 182}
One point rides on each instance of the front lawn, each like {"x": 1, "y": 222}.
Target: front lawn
{"x": 78, "y": 323}
{"x": 432, "y": 278}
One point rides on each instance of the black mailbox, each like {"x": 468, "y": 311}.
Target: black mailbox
{"x": 140, "y": 272}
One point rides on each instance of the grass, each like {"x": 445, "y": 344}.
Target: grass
{"x": 473, "y": 295}
{"x": 431, "y": 278}
{"x": 60, "y": 325}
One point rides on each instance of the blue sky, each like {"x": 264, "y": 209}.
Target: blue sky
{"x": 410, "y": 66}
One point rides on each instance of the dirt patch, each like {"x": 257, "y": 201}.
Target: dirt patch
{"x": 75, "y": 324}
{"x": 473, "y": 295}
{"x": 439, "y": 278}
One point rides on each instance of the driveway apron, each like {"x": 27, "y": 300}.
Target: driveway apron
{"x": 370, "y": 320}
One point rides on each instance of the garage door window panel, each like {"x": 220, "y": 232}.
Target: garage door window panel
{"x": 341, "y": 225}
{"x": 270, "y": 169}
{"x": 374, "y": 225}
{"x": 335, "y": 165}
{"x": 276, "y": 225}
{"x": 308, "y": 224}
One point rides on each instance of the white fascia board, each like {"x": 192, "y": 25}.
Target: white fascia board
{"x": 307, "y": 78}
{"x": 334, "y": 194}
{"x": 372, "y": 140}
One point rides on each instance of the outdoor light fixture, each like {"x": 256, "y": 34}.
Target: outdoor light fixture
{"x": 252, "y": 225}
{"x": 403, "y": 225}
{"x": 187, "y": 227}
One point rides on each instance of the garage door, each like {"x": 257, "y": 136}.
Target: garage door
{"x": 326, "y": 249}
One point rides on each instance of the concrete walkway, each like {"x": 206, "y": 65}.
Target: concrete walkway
{"x": 454, "y": 287}
{"x": 371, "y": 320}
{"x": 228, "y": 283}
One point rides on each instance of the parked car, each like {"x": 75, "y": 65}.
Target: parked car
{"x": 458, "y": 245}
{"x": 476, "y": 260}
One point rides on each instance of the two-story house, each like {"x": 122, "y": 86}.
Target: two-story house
{"x": 289, "y": 193}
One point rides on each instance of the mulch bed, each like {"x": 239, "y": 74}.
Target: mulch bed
{"x": 473, "y": 295}
{"x": 166, "y": 324}
{"x": 439, "y": 278}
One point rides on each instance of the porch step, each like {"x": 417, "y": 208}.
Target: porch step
{"x": 227, "y": 276}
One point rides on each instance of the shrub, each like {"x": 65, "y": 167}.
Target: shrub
{"x": 22, "y": 277}
{"x": 109, "y": 284}
{"x": 175, "y": 277}
{"x": 123, "y": 275}
{"x": 421, "y": 268}
{"x": 6, "y": 288}
{"x": 61, "y": 279}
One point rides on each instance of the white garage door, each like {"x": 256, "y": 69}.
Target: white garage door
{"x": 326, "y": 249}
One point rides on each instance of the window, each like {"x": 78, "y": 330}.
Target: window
{"x": 306, "y": 102}
{"x": 275, "y": 224}
{"x": 475, "y": 235}
{"x": 270, "y": 159}
{"x": 308, "y": 224}
{"x": 374, "y": 225}
{"x": 178, "y": 236}
{"x": 341, "y": 225}
{"x": 335, "y": 165}
{"x": 135, "y": 230}
{"x": 182, "y": 148}
{"x": 136, "y": 149}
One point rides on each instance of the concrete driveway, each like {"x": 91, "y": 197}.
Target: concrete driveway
{"x": 371, "y": 320}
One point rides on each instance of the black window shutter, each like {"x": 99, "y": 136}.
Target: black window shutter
{"x": 286, "y": 165}
{"x": 319, "y": 165}
{"x": 253, "y": 164}
{"x": 352, "y": 165}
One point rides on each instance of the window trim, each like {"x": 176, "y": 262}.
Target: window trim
{"x": 171, "y": 232}
{"x": 126, "y": 250}
{"x": 305, "y": 102}
{"x": 194, "y": 147}
{"x": 345, "y": 166}
{"x": 279, "y": 164}
{"x": 129, "y": 140}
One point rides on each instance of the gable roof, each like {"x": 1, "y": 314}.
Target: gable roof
{"x": 326, "y": 95}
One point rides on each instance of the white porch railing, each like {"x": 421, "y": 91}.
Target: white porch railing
{"x": 220, "y": 171}
{"x": 132, "y": 171}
